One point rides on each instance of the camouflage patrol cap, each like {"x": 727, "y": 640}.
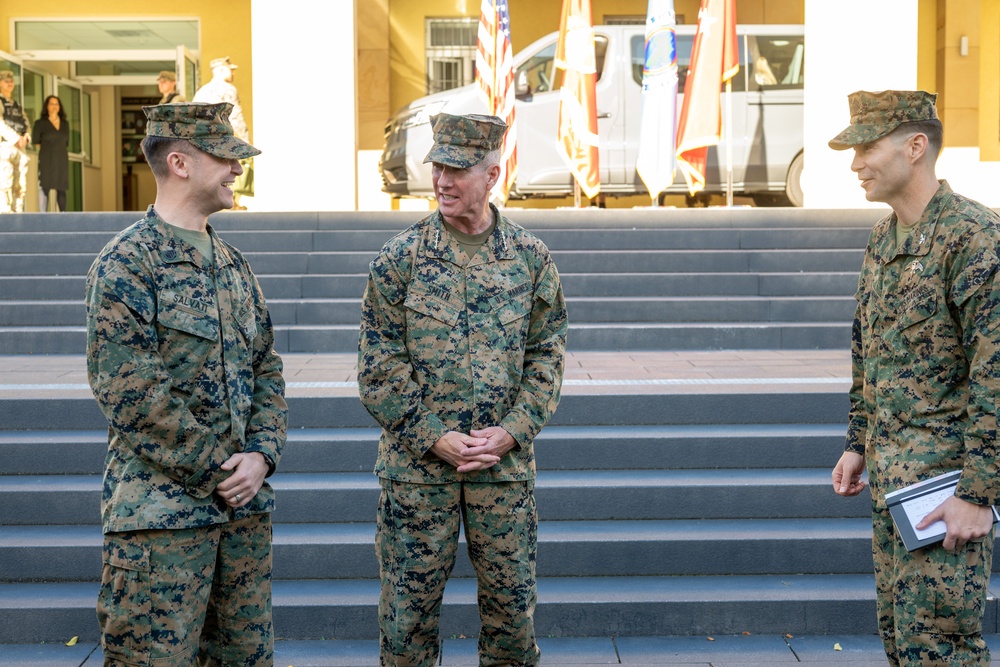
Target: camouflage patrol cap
{"x": 463, "y": 141}
{"x": 874, "y": 115}
{"x": 204, "y": 125}
{"x": 6, "y": 75}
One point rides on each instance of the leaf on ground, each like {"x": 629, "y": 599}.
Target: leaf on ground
{"x": 746, "y": 634}
{"x": 73, "y": 641}
{"x": 836, "y": 647}
{"x": 711, "y": 639}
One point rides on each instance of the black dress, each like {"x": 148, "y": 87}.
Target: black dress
{"x": 53, "y": 158}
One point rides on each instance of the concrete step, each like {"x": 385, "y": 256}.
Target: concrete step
{"x": 75, "y": 261}
{"x": 567, "y": 607}
{"x": 565, "y": 549}
{"x": 582, "y": 310}
{"x": 371, "y": 239}
{"x": 612, "y": 337}
{"x": 326, "y": 286}
{"x": 562, "y": 495}
{"x": 556, "y": 448}
{"x": 540, "y": 219}
{"x": 80, "y": 412}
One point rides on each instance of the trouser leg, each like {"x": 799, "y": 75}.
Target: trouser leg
{"x": 61, "y": 200}
{"x": 7, "y": 155}
{"x": 931, "y": 601}
{"x": 416, "y": 541}
{"x": 238, "y": 629}
{"x": 155, "y": 587}
{"x": 20, "y": 189}
{"x": 501, "y": 527}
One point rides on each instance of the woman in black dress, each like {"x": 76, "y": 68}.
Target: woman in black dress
{"x": 51, "y": 135}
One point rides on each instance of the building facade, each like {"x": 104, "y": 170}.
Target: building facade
{"x": 317, "y": 81}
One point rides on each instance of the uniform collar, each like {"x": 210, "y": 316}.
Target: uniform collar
{"x": 441, "y": 244}
{"x": 173, "y": 250}
{"x": 920, "y": 240}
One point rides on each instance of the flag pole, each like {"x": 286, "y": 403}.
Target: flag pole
{"x": 729, "y": 142}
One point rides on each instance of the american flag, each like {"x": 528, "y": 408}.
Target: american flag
{"x": 495, "y": 75}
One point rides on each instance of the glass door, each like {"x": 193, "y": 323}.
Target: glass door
{"x": 71, "y": 95}
{"x": 187, "y": 72}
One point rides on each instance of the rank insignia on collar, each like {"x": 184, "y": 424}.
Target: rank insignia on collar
{"x": 923, "y": 237}
{"x": 916, "y": 267}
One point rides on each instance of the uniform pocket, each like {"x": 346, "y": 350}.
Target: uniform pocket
{"x": 123, "y": 604}
{"x": 956, "y": 595}
{"x": 181, "y": 313}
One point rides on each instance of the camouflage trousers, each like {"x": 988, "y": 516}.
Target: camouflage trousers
{"x": 417, "y": 543}
{"x": 190, "y": 597}
{"x": 930, "y": 601}
{"x": 13, "y": 178}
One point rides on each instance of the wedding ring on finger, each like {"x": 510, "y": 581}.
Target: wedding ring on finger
{"x": 238, "y": 499}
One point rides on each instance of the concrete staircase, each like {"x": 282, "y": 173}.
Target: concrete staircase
{"x": 642, "y": 280}
{"x": 661, "y": 514}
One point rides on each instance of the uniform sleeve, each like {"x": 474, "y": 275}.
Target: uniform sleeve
{"x": 266, "y": 431}
{"x": 385, "y": 374}
{"x": 131, "y": 384}
{"x": 976, "y": 294}
{"x": 859, "y": 415}
{"x": 544, "y": 360}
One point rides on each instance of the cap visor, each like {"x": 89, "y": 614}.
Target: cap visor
{"x": 228, "y": 148}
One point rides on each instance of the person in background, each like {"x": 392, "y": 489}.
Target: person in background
{"x": 181, "y": 361}
{"x": 221, "y": 89}
{"x": 14, "y": 136}
{"x": 461, "y": 358}
{"x": 926, "y": 379}
{"x": 51, "y": 135}
{"x": 166, "y": 82}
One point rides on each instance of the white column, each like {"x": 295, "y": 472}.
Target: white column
{"x": 304, "y": 108}
{"x": 850, "y": 45}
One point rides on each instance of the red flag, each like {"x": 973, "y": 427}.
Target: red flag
{"x": 495, "y": 74}
{"x": 578, "y": 95}
{"x": 714, "y": 60}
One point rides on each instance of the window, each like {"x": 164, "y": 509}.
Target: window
{"x": 685, "y": 44}
{"x": 451, "y": 53}
{"x": 539, "y": 71}
{"x": 779, "y": 62}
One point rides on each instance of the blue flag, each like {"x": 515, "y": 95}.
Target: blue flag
{"x": 657, "y": 160}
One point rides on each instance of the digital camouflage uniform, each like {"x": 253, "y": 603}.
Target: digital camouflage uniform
{"x": 926, "y": 369}
{"x": 13, "y": 160}
{"x": 180, "y": 358}
{"x": 446, "y": 347}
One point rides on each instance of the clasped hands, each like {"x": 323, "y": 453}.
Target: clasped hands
{"x": 249, "y": 470}
{"x": 478, "y": 450}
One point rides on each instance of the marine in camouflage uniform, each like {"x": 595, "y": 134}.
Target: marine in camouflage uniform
{"x": 14, "y": 136}
{"x": 926, "y": 374}
{"x": 460, "y": 348}
{"x": 181, "y": 360}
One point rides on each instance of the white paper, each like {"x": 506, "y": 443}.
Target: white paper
{"x": 921, "y": 506}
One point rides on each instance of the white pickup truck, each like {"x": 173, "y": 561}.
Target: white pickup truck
{"x": 766, "y": 119}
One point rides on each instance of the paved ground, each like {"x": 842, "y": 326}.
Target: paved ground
{"x": 586, "y": 372}
{"x": 726, "y": 651}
